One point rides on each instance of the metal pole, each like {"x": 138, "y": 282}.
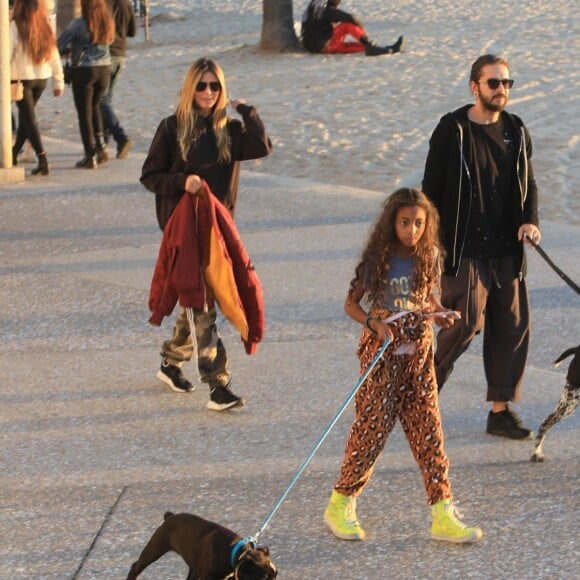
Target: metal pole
{"x": 5, "y": 85}
{"x": 8, "y": 174}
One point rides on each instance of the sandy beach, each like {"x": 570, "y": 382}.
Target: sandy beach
{"x": 355, "y": 120}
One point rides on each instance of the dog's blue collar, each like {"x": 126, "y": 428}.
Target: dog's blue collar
{"x": 238, "y": 546}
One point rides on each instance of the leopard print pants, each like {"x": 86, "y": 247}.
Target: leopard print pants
{"x": 400, "y": 387}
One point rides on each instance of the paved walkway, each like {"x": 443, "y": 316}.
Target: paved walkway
{"x": 93, "y": 449}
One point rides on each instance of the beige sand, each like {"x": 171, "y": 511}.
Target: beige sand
{"x": 355, "y": 120}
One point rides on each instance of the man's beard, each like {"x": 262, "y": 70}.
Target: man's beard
{"x": 493, "y": 106}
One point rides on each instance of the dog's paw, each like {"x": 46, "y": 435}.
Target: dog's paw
{"x": 537, "y": 458}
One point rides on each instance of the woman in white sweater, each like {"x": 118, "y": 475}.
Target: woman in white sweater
{"x": 35, "y": 59}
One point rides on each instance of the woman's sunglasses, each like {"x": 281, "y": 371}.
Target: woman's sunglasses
{"x": 494, "y": 83}
{"x": 213, "y": 85}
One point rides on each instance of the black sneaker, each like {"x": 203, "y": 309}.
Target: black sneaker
{"x": 221, "y": 398}
{"x": 174, "y": 379}
{"x": 507, "y": 424}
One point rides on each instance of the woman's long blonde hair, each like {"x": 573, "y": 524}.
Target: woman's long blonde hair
{"x": 188, "y": 114}
{"x": 99, "y": 21}
{"x": 34, "y": 30}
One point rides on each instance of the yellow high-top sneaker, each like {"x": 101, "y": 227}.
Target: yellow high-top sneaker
{"x": 340, "y": 517}
{"x": 447, "y": 527}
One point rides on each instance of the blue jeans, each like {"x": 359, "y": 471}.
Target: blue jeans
{"x": 111, "y": 123}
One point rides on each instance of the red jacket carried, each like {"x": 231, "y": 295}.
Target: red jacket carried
{"x": 202, "y": 258}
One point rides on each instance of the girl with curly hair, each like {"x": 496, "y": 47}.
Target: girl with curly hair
{"x": 397, "y": 280}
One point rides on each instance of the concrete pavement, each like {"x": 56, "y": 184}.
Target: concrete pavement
{"x": 94, "y": 449}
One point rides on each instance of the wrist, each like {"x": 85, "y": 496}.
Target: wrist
{"x": 367, "y": 323}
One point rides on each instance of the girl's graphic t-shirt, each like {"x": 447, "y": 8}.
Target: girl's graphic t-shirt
{"x": 399, "y": 284}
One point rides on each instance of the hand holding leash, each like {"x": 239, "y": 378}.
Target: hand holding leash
{"x": 540, "y": 251}
{"x": 529, "y": 233}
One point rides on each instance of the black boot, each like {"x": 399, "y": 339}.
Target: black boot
{"x": 43, "y": 167}
{"x": 14, "y": 157}
{"x": 374, "y": 50}
{"x": 399, "y": 45}
{"x": 102, "y": 155}
{"x": 89, "y": 161}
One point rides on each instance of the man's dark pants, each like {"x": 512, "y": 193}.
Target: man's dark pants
{"x": 492, "y": 298}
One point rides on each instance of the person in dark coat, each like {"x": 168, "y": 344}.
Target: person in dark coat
{"x": 200, "y": 142}
{"x": 327, "y": 29}
{"x": 479, "y": 175}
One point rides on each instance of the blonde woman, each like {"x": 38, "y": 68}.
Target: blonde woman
{"x": 87, "y": 40}
{"x": 201, "y": 142}
{"x": 34, "y": 60}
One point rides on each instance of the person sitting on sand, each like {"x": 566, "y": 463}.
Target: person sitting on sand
{"x": 325, "y": 29}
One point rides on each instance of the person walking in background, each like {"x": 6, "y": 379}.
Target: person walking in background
{"x": 34, "y": 60}
{"x": 479, "y": 175}
{"x": 87, "y": 39}
{"x": 326, "y": 29}
{"x": 201, "y": 142}
{"x": 397, "y": 277}
{"x": 125, "y": 26}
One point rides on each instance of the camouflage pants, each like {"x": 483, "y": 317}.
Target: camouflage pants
{"x": 212, "y": 360}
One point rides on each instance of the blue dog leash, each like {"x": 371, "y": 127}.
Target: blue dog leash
{"x": 252, "y": 540}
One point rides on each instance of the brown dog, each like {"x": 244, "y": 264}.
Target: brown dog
{"x": 211, "y": 551}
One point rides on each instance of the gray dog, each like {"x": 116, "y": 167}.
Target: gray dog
{"x": 211, "y": 551}
{"x": 566, "y": 405}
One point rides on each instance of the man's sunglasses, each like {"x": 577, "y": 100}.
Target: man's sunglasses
{"x": 213, "y": 85}
{"x": 494, "y": 83}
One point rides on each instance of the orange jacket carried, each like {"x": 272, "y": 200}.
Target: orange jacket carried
{"x": 202, "y": 258}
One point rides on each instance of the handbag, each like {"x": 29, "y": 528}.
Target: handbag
{"x": 16, "y": 90}
{"x": 67, "y": 67}
{"x": 67, "y": 72}
{"x": 16, "y": 87}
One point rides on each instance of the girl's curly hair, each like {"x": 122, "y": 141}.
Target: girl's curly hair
{"x": 374, "y": 263}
